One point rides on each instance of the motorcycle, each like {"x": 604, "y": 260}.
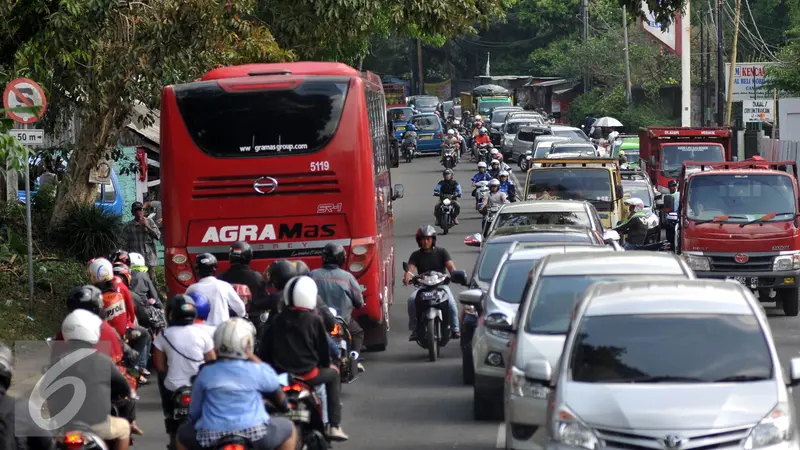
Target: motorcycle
{"x": 181, "y": 399}
{"x": 661, "y": 246}
{"x": 450, "y": 158}
{"x": 489, "y": 218}
{"x": 347, "y": 359}
{"x": 409, "y": 151}
{"x": 446, "y": 210}
{"x": 80, "y": 436}
{"x": 305, "y": 411}
{"x": 481, "y": 193}
{"x": 433, "y": 311}
{"x": 482, "y": 152}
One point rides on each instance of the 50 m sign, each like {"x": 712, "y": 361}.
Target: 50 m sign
{"x": 31, "y": 138}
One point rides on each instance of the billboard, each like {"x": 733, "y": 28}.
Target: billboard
{"x": 748, "y": 81}
{"x": 669, "y": 37}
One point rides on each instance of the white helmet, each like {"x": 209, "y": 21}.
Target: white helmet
{"x": 301, "y": 292}
{"x": 235, "y": 338}
{"x": 137, "y": 259}
{"x": 457, "y": 122}
{"x": 100, "y": 270}
{"x": 494, "y": 182}
{"x": 478, "y": 117}
{"x": 494, "y": 151}
{"x": 637, "y": 203}
{"x": 482, "y": 165}
{"x": 494, "y": 161}
{"x": 451, "y": 132}
{"x": 82, "y": 325}
{"x": 503, "y": 173}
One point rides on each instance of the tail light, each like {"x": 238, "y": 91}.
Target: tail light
{"x": 186, "y": 399}
{"x": 439, "y": 135}
{"x": 362, "y": 251}
{"x": 179, "y": 265}
{"x": 336, "y": 330}
{"x": 293, "y": 388}
{"x": 233, "y": 447}
{"x": 73, "y": 439}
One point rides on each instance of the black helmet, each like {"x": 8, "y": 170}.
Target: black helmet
{"x": 447, "y": 172}
{"x": 205, "y": 265}
{"x": 333, "y": 253}
{"x": 301, "y": 268}
{"x": 120, "y": 256}
{"x": 280, "y": 272}
{"x": 6, "y": 366}
{"x": 426, "y": 231}
{"x": 86, "y": 297}
{"x": 241, "y": 253}
{"x": 181, "y": 310}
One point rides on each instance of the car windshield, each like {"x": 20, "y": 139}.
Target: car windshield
{"x": 572, "y": 134}
{"x": 492, "y": 254}
{"x": 555, "y": 296}
{"x": 512, "y": 279}
{"x": 742, "y": 198}
{"x": 592, "y": 184}
{"x": 638, "y": 190}
{"x": 674, "y": 155}
{"x": 532, "y": 117}
{"x": 518, "y": 219}
{"x": 426, "y": 101}
{"x": 426, "y": 123}
{"x": 400, "y": 115}
{"x": 632, "y": 156}
{"x": 699, "y": 348}
{"x": 513, "y": 127}
{"x": 571, "y": 149}
{"x": 543, "y": 148}
{"x": 500, "y": 116}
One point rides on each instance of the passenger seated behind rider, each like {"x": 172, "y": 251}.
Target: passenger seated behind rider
{"x": 81, "y": 331}
{"x": 296, "y": 342}
{"x": 429, "y": 257}
{"x": 636, "y": 226}
{"x": 220, "y": 294}
{"x": 301, "y": 269}
{"x": 482, "y": 137}
{"x": 227, "y": 396}
{"x": 448, "y": 186}
{"x": 507, "y": 186}
{"x": 450, "y": 143}
{"x": 240, "y": 255}
{"x": 141, "y": 283}
{"x": 17, "y": 431}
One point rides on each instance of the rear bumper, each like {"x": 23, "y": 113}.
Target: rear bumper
{"x": 775, "y": 280}
{"x": 434, "y": 145}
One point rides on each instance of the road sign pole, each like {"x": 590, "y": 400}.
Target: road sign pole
{"x": 29, "y": 227}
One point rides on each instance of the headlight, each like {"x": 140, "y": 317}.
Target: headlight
{"x": 522, "y": 387}
{"x": 697, "y": 262}
{"x": 773, "y": 429}
{"x": 446, "y": 202}
{"x": 786, "y": 262}
{"x": 568, "y": 430}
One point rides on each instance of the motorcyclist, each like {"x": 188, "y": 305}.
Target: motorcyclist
{"x": 277, "y": 275}
{"x": 180, "y": 350}
{"x": 503, "y": 165}
{"x": 409, "y": 137}
{"x": 141, "y": 283}
{"x": 203, "y": 306}
{"x": 482, "y": 175}
{"x": 671, "y": 202}
{"x": 450, "y": 143}
{"x": 448, "y": 186}
{"x": 17, "y": 431}
{"x": 138, "y": 335}
{"x": 301, "y": 269}
{"x": 296, "y": 343}
{"x": 494, "y": 169}
{"x": 482, "y": 137}
{"x": 99, "y": 374}
{"x": 622, "y": 158}
{"x": 240, "y": 255}
{"x": 227, "y": 396}
{"x": 220, "y": 293}
{"x": 507, "y": 186}
{"x": 430, "y": 257}
{"x": 636, "y": 225}
{"x": 477, "y": 124}
{"x": 120, "y": 256}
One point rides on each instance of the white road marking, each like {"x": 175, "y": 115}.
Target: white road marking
{"x": 501, "y": 436}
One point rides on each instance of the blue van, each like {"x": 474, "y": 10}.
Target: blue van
{"x": 430, "y": 132}
{"x": 109, "y": 196}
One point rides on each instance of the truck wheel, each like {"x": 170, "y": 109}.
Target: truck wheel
{"x": 789, "y": 301}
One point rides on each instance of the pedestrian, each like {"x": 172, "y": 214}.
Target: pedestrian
{"x": 140, "y": 236}
{"x": 155, "y": 207}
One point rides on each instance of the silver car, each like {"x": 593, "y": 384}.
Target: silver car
{"x": 499, "y": 306}
{"x": 543, "y": 321}
{"x": 674, "y": 365}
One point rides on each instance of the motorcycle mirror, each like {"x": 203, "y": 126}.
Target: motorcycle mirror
{"x": 610, "y": 236}
{"x": 405, "y": 266}
{"x": 399, "y": 191}
{"x": 460, "y": 277}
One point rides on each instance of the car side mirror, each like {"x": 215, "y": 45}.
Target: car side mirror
{"x": 794, "y": 372}
{"x": 459, "y": 277}
{"x": 620, "y": 192}
{"x": 399, "y": 191}
{"x": 652, "y": 160}
{"x": 538, "y": 370}
{"x": 610, "y": 236}
{"x": 471, "y": 297}
{"x": 405, "y": 266}
{"x": 735, "y": 158}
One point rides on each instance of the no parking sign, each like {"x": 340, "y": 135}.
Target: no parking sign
{"x": 23, "y": 92}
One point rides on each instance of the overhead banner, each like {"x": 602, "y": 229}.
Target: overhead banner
{"x": 748, "y": 81}
{"x": 441, "y": 89}
{"x": 669, "y": 37}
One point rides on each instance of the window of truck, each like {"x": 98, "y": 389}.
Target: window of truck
{"x": 641, "y": 191}
{"x": 268, "y": 122}
{"x": 673, "y": 156}
{"x": 742, "y": 198}
{"x": 486, "y": 106}
{"x": 589, "y": 184}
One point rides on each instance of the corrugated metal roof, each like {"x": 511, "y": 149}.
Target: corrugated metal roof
{"x": 547, "y": 83}
{"x": 567, "y": 89}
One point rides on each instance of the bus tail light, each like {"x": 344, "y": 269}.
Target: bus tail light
{"x": 361, "y": 253}
{"x": 179, "y": 265}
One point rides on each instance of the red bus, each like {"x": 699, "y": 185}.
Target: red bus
{"x": 287, "y": 157}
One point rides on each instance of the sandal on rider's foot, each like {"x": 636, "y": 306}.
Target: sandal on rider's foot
{"x": 136, "y": 430}
{"x": 337, "y": 434}
{"x": 413, "y": 336}
{"x": 455, "y": 335}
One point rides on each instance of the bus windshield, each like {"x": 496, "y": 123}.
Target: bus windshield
{"x": 592, "y": 184}
{"x": 742, "y": 198}
{"x": 673, "y": 156}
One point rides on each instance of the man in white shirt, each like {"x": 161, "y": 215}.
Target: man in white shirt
{"x": 220, "y": 294}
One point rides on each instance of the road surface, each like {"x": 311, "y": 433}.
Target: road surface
{"x": 403, "y": 401}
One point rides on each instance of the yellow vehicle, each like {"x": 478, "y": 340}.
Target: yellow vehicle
{"x": 596, "y": 180}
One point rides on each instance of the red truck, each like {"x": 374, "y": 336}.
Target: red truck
{"x": 739, "y": 220}
{"x": 664, "y": 149}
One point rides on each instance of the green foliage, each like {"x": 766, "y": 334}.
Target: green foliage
{"x": 88, "y": 231}
{"x": 42, "y": 204}
{"x": 12, "y": 152}
{"x": 612, "y": 103}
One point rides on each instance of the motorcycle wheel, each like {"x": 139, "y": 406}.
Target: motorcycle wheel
{"x": 408, "y": 157}
{"x": 445, "y": 223}
{"x": 313, "y": 441}
{"x": 433, "y": 339}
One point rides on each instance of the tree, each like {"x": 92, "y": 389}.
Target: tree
{"x": 95, "y": 58}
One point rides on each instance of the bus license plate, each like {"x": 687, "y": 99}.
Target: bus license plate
{"x": 297, "y": 415}
{"x": 751, "y": 282}
{"x": 180, "y": 413}
{"x": 428, "y": 137}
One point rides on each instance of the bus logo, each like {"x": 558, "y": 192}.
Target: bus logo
{"x": 265, "y": 185}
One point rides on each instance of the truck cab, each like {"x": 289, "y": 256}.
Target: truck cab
{"x": 596, "y": 180}
{"x": 663, "y": 150}
{"x": 739, "y": 220}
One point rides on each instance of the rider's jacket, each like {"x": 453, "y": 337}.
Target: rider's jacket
{"x": 481, "y": 176}
{"x": 482, "y": 140}
{"x": 496, "y": 198}
{"x": 339, "y": 289}
{"x": 451, "y": 141}
{"x": 409, "y": 136}
{"x": 636, "y": 228}
{"x": 508, "y": 187}
{"x": 447, "y": 187}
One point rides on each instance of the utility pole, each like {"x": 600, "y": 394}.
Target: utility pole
{"x": 421, "y": 84}
{"x": 707, "y": 111}
{"x": 733, "y": 60}
{"x": 628, "y": 93}
{"x": 703, "y": 69}
{"x": 585, "y": 42}
{"x": 720, "y": 72}
{"x": 686, "y": 68}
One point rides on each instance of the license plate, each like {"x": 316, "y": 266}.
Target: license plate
{"x": 180, "y": 413}
{"x": 297, "y": 415}
{"x": 751, "y": 282}
{"x": 400, "y": 128}
{"x": 343, "y": 345}
{"x": 428, "y": 137}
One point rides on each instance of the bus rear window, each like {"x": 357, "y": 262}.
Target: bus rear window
{"x": 262, "y": 122}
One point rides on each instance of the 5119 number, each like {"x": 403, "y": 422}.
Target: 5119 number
{"x": 320, "y": 166}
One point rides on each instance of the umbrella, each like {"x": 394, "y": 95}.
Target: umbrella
{"x": 607, "y": 122}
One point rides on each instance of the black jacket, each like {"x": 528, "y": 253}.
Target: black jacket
{"x": 296, "y": 342}
{"x": 274, "y": 303}
{"x": 242, "y": 274}
{"x": 11, "y": 425}
{"x": 143, "y": 285}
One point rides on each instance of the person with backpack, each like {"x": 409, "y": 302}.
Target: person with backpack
{"x": 220, "y": 294}
{"x": 240, "y": 255}
{"x": 141, "y": 281}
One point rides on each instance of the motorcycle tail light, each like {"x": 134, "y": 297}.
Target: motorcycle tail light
{"x": 293, "y": 388}
{"x": 73, "y": 438}
{"x": 233, "y": 447}
{"x": 336, "y": 330}
{"x": 186, "y": 399}
{"x": 439, "y": 135}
